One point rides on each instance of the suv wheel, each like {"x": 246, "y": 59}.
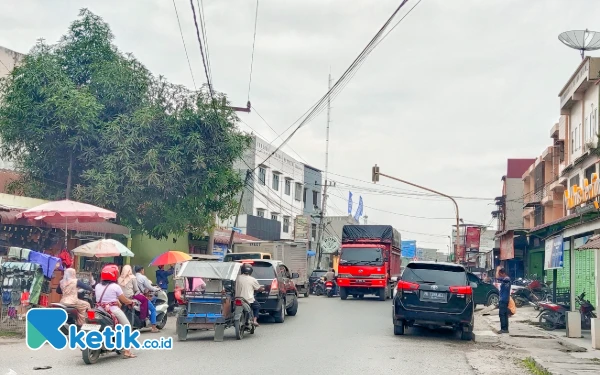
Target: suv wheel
{"x": 293, "y": 310}
{"x": 466, "y": 335}
{"x": 279, "y": 315}
{"x": 399, "y": 329}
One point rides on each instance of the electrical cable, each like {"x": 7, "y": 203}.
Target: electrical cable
{"x": 210, "y": 88}
{"x": 204, "y": 36}
{"x": 320, "y": 105}
{"x": 187, "y": 56}
{"x": 253, "y": 44}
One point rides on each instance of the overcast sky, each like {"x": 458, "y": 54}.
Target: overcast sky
{"x": 455, "y": 90}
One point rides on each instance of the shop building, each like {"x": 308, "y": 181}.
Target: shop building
{"x": 511, "y": 234}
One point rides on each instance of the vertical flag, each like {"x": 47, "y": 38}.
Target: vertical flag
{"x": 350, "y": 204}
{"x": 359, "y": 210}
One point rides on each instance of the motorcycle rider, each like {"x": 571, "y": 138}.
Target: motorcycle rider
{"x": 330, "y": 276}
{"x": 109, "y": 297}
{"x": 146, "y": 288}
{"x": 68, "y": 288}
{"x": 245, "y": 286}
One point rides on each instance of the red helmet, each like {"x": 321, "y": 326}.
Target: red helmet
{"x": 109, "y": 272}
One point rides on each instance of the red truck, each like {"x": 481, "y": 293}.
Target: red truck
{"x": 369, "y": 261}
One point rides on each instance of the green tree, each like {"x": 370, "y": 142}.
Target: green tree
{"x": 81, "y": 113}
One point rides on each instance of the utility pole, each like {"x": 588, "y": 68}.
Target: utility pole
{"x": 324, "y": 204}
{"x": 237, "y": 215}
{"x": 375, "y": 178}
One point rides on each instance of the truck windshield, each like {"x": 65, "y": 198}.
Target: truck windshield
{"x": 361, "y": 256}
{"x": 232, "y": 257}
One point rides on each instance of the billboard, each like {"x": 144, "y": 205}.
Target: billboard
{"x": 554, "y": 252}
{"x": 301, "y": 228}
{"x": 507, "y": 246}
{"x": 409, "y": 249}
{"x": 473, "y": 239}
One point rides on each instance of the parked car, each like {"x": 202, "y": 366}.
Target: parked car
{"x": 485, "y": 293}
{"x": 280, "y": 297}
{"x": 434, "y": 294}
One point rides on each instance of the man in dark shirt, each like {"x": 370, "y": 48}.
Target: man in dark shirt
{"x": 505, "y": 286}
{"x": 162, "y": 277}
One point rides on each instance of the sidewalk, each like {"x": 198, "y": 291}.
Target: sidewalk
{"x": 550, "y": 349}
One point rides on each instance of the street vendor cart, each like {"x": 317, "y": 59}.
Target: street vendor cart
{"x": 213, "y": 307}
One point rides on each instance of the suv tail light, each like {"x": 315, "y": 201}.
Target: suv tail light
{"x": 238, "y": 302}
{"x": 274, "y": 287}
{"x": 405, "y": 285}
{"x": 461, "y": 290}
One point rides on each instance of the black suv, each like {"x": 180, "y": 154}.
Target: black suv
{"x": 280, "y": 297}
{"x": 436, "y": 295}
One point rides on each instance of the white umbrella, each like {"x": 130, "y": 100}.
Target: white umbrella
{"x": 103, "y": 248}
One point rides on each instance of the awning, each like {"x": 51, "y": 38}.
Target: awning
{"x": 9, "y": 217}
{"x": 311, "y": 253}
{"x": 222, "y": 237}
{"x": 593, "y": 243}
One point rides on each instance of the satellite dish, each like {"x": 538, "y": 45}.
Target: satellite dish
{"x": 582, "y": 40}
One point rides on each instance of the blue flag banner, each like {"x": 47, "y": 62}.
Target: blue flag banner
{"x": 350, "y": 204}
{"x": 359, "y": 210}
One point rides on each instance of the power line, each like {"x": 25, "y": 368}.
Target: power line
{"x": 338, "y": 86}
{"x": 253, "y": 44}
{"x": 187, "y": 56}
{"x": 204, "y": 36}
{"x": 210, "y": 88}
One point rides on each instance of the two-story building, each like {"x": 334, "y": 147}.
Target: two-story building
{"x": 313, "y": 200}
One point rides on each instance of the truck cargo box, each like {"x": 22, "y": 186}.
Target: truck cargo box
{"x": 385, "y": 233}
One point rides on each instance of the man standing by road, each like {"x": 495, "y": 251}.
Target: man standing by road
{"x": 162, "y": 277}
{"x": 505, "y": 286}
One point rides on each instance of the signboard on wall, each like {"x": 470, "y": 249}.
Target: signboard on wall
{"x": 553, "y": 253}
{"x": 409, "y": 249}
{"x": 507, "y": 246}
{"x": 301, "y": 228}
{"x": 473, "y": 238}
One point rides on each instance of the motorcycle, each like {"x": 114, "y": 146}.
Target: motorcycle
{"x": 319, "y": 287}
{"x": 96, "y": 320}
{"x": 329, "y": 288}
{"x": 72, "y": 312}
{"x": 243, "y": 318}
{"x": 553, "y": 316}
{"x": 161, "y": 304}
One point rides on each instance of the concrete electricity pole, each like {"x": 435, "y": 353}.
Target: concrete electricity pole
{"x": 375, "y": 178}
{"x": 324, "y": 204}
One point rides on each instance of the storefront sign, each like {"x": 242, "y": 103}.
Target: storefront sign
{"x": 330, "y": 245}
{"x": 507, "y": 246}
{"x": 473, "y": 238}
{"x": 578, "y": 195}
{"x": 554, "y": 253}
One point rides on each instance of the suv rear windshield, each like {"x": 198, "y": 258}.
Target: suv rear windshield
{"x": 263, "y": 271}
{"x": 435, "y": 274}
{"x": 361, "y": 256}
{"x": 318, "y": 273}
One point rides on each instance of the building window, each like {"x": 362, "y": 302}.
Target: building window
{"x": 573, "y": 181}
{"x": 262, "y": 175}
{"x": 275, "y": 182}
{"x": 315, "y": 198}
{"x": 260, "y": 212}
{"x": 286, "y": 224}
{"x": 588, "y": 173}
{"x": 298, "y": 191}
{"x": 274, "y": 216}
{"x": 304, "y": 196}
{"x": 288, "y": 187}
{"x": 314, "y": 231}
{"x": 572, "y": 141}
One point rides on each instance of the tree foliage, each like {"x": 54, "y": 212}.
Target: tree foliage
{"x": 158, "y": 154}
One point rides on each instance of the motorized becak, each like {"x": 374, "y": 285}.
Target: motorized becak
{"x": 212, "y": 308}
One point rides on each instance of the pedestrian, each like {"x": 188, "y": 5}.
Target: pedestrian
{"x": 505, "y": 286}
{"x": 162, "y": 277}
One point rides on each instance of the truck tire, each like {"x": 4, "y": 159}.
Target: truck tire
{"x": 382, "y": 294}
{"x": 343, "y": 294}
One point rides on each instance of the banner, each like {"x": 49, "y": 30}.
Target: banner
{"x": 359, "y": 210}
{"x": 350, "y": 204}
{"x": 301, "y": 228}
{"x": 554, "y": 252}
{"x": 507, "y": 246}
{"x": 473, "y": 239}
{"x": 460, "y": 253}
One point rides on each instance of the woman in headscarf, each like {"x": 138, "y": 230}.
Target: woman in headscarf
{"x": 68, "y": 287}
{"x": 128, "y": 283}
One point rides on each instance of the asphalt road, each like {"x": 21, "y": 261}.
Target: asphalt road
{"x": 327, "y": 336}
